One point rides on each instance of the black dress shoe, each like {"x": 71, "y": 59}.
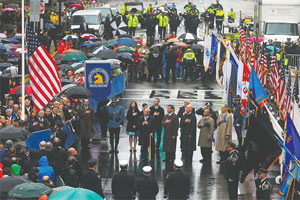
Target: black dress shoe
{"x": 116, "y": 151}
{"x": 111, "y": 151}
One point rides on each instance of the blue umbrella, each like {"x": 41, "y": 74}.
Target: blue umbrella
{"x": 126, "y": 42}
{"x": 89, "y": 44}
{"x": 170, "y": 6}
{"x": 12, "y": 40}
{"x": 272, "y": 48}
{"x": 49, "y": 25}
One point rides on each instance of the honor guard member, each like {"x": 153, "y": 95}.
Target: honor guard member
{"x": 232, "y": 171}
{"x": 123, "y": 183}
{"x": 177, "y": 185}
{"x": 263, "y": 185}
{"x": 146, "y": 186}
{"x": 189, "y": 61}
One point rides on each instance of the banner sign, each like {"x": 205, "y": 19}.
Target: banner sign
{"x": 98, "y": 79}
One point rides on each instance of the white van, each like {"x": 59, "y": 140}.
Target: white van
{"x": 92, "y": 17}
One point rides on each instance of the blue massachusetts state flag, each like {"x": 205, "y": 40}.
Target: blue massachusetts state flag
{"x": 213, "y": 51}
{"x": 35, "y": 138}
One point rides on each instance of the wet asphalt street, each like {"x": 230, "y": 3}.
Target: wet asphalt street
{"x": 207, "y": 181}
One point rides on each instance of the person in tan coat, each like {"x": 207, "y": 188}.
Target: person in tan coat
{"x": 170, "y": 123}
{"x": 224, "y": 132}
{"x": 207, "y": 128}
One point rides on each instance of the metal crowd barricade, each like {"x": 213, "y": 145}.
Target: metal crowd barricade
{"x": 294, "y": 61}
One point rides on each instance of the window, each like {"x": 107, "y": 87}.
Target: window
{"x": 281, "y": 29}
{"x": 90, "y": 19}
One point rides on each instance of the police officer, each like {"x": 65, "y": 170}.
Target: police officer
{"x": 238, "y": 118}
{"x": 177, "y": 185}
{"x": 132, "y": 23}
{"x": 123, "y": 183}
{"x": 220, "y": 17}
{"x": 263, "y": 185}
{"x": 163, "y": 21}
{"x": 91, "y": 180}
{"x": 232, "y": 171}
{"x": 189, "y": 61}
{"x": 151, "y": 22}
{"x": 146, "y": 186}
{"x": 231, "y": 18}
{"x": 124, "y": 9}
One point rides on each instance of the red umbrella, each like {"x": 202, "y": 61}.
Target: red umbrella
{"x": 18, "y": 90}
{"x": 76, "y": 5}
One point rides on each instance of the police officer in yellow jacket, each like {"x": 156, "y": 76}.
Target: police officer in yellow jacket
{"x": 133, "y": 21}
{"x": 231, "y": 18}
{"x": 163, "y": 21}
{"x": 220, "y": 17}
{"x": 149, "y": 8}
{"x": 124, "y": 8}
{"x": 189, "y": 61}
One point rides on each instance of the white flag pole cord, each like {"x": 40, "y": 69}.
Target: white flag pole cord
{"x": 23, "y": 60}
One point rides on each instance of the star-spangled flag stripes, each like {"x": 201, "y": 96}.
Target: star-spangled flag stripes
{"x": 44, "y": 77}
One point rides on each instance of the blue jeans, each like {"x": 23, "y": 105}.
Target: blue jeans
{"x": 164, "y": 69}
{"x": 179, "y": 69}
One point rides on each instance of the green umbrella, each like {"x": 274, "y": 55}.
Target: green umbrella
{"x": 95, "y": 58}
{"x": 108, "y": 43}
{"x": 29, "y": 190}
{"x": 75, "y": 56}
{"x": 75, "y": 193}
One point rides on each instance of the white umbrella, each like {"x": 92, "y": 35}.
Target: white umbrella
{"x": 70, "y": 37}
{"x": 88, "y": 36}
{"x": 79, "y": 70}
{"x": 119, "y": 29}
{"x": 2, "y": 35}
{"x": 99, "y": 49}
{"x": 64, "y": 88}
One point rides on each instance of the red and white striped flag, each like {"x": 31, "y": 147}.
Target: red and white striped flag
{"x": 44, "y": 77}
{"x": 281, "y": 94}
{"x": 273, "y": 75}
{"x": 263, "y": 70}
{"x": 242, "y": 46}
{"x": 288, "y": 96}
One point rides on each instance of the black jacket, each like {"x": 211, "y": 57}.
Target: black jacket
{"x": 182, "y": 110}
{"x": 177, "y": 185}
{"x": 132, "y": 120}
{"x": 82, "y": 30}
{"x": 147, "y": 188}
{"x": 92, "y": 181}
{"x": 157, "y": 119}
{"x": 146, "y": 129}
{"x": 60, "y": 157}
{"x": 154, "y": 59}
{"x": 70, "y": 176}
{"x": 171, "y": 58}
{"x": 123, "y": 185}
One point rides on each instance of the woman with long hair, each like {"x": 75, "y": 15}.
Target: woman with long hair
{"x": 33, "y": 121}
{"x": 132, "y": 116}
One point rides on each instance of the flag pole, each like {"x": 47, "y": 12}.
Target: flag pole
{"x": 23, "y": 60}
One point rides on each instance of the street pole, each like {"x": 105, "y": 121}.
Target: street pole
{"x": 23, "y": 60}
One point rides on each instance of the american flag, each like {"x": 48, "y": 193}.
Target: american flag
{"x": 296, "y": 89}
{"x": 44, "y": 77}
{"x": 273, "y": 74}
{"x": 288, "y": 96}
{"x": 242, "y": 37}
{"x": 263, "y": 70}
{"x": 281, "y": 93}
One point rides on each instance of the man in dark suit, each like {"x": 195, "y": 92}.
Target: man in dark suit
{"x": 177, "y": 185}
{"x": 147, "y": 187}
{"x": 44, "y": 123}
{"x": 86, "y": 118}
{"x": 158, "y": 113}
{"x": 123, "y": 183}
{"x": 84, "y": 27}
{"x": 91, "y": 180}
{"x": 182, "y": 109}
{"x": 53, "y": 118}
{"x": 146, "y": 126}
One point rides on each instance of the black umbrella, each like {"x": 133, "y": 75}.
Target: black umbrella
{"x": 126, "y": 56}
{"x": 125, "y": 35}
{"x": 119, "y": 28}
{"x": 107, "y": 54}
{"x": 7, "y": 183}
{"x": 5, "y": 65}
{"x": 188, "y": 36}
{"x": 78, "y": 92}
{"x": 64, "y": 66}
{"x": 13, "y": 133}
{"x": 197, "y": 47}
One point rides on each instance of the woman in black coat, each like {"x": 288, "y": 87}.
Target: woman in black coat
{"x": 132, "y": 116}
